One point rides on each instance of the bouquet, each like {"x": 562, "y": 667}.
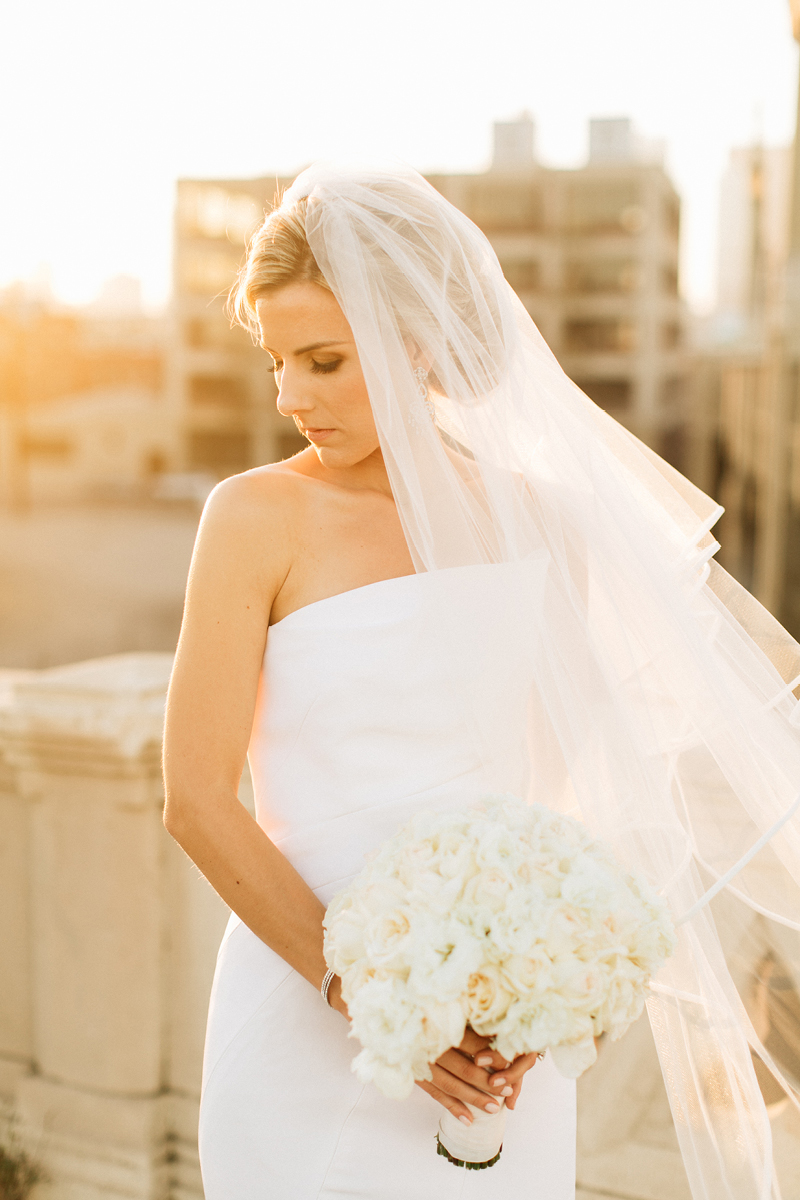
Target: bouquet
{"x": 506, "y": 917}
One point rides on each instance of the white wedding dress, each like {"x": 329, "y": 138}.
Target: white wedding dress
{"x": 366, "y": 715}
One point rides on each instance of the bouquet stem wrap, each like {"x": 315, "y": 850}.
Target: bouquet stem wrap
{"x": 479, "y": 1144}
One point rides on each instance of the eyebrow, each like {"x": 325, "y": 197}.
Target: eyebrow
{"x": 313, "y": 346}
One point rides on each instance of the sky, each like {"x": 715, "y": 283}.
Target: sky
{"x": 103, "y": 105}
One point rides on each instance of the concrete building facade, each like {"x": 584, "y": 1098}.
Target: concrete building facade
{"x": 747, "y": 381}
{"x": 592, "y": 253}
{"x": 64, "y": 374}
{"x": 220, "y": 385}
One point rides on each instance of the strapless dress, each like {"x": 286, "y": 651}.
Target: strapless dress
{"x": 373, "y": 704}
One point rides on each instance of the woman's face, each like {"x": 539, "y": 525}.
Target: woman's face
{"x": 321, "y": 384}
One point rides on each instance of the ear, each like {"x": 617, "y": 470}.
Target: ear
{"x": 416, "y": 356}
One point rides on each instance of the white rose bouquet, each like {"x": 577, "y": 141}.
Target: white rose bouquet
{"x": 506, "y": 917}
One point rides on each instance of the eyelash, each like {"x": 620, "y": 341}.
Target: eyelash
{"x": 317, "y": 368}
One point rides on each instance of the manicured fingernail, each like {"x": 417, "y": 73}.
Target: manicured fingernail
{"x": 465, "y": 1120}
{"x": 484, "y": 1061}
{"x": 493, "y": 1108}
{"x": 498, "y": 1081}
{"x": 507, "y": 1091}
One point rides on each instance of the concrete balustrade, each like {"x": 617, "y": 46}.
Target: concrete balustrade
{"x": 107, "y": 936}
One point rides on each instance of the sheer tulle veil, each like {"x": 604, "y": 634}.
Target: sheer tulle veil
{"x": 661, "y": 708}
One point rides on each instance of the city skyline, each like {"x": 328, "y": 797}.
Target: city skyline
{"x": 106, "y": 107}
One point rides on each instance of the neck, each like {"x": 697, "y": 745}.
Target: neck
{"x": 369, "y": 474}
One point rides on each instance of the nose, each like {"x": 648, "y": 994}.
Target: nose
{"x": 290, "y": 398}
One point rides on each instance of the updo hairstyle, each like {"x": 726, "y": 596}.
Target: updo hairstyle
{"x": 278, "y": 254}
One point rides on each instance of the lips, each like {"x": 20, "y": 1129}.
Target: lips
{"x": 316, "y": 435}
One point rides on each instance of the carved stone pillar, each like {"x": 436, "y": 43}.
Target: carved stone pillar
{"x": 120, "y": 932}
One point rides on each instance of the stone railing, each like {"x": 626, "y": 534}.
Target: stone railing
{"x": 108, "y": 936}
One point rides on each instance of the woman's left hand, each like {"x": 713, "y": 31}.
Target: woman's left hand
{"x": 502, "y": 1074}
{"x": 474, "y": 1073}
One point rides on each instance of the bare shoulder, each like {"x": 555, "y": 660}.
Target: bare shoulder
{"x": 245, "y": 541}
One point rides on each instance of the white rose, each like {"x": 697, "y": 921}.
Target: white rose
{"x": 344, "y": 937}
{"x": 622, "y": 1006}
{"x": 457, "y": 859}
{"x": 520, "y": 926}
{"x": 386, "y": 938}
{"x": 443, "y": 1026}
{"x": 385, "y": 1021}
{"x": 536, "y": 1024}
{"x": 395, "y": 1081}
{"x": 489, "y": 889}
{"x": 524, "y": 974}
{"x": 584, "y": 986}
{"x": 458, "y": 955}
{"x": 486, "y": 998}
{"x": 354, "y": 978}
{"x": 572, "y": 1058}
{"x": 565, "y": 930}
{"x": 588, "y": 886}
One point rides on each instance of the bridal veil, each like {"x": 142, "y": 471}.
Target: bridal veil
{"x": 662, "y": 708}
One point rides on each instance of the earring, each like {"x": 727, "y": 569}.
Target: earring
{"x": 421, "y": 376}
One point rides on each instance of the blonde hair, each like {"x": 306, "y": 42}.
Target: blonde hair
{"x": 278, "y": 254}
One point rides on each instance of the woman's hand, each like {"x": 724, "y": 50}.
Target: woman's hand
{"x": 474, "y": 1073}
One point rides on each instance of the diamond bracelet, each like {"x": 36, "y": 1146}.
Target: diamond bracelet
{"x": 325, "y": 988}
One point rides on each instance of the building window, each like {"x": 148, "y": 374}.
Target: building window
{"x": 614, "y": 395}
{"x": 672, "y": 392}
{"x": 227, "y": 390}
{"x": 592, "y": 206}
{"x": 600, "y": 334}
{"x": 669, "y": 279}
{"x": 209, "y": 333}
{"x": 670, "y": 335}
{"x": 672, "y": 447}
{"x": 524, "y": 274}
{"x": 53, "y": 449}
{"x": 206, "y": 271}
{"x": 672, "y": 215}
{"x": 211, "y": 211}
{"x": 510, "y": 205}
{"x": 154, "y": 463}
{"x": 602, "y": 275}
{"x": 220, "y": 452}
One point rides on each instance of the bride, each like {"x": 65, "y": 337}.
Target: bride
{"x": 472, "y": 581}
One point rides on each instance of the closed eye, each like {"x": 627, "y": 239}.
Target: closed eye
{"x": 319, "y": 368}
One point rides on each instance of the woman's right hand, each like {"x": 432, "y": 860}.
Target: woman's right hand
{"x": 473, "y": 1073}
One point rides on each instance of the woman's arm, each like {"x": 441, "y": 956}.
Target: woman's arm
{"x": 242, "y": 556}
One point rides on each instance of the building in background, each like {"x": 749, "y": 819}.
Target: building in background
{"x": 106, "y": 444}
{"x": 51, "y": 357}
{"x": 745, "y": 383}
{"x": 753, "y": 241}
{"x": 220, "y": 386}
{"x": 592, "y": 253}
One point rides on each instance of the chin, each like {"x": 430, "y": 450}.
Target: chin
{"x": 341, "y": 457}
